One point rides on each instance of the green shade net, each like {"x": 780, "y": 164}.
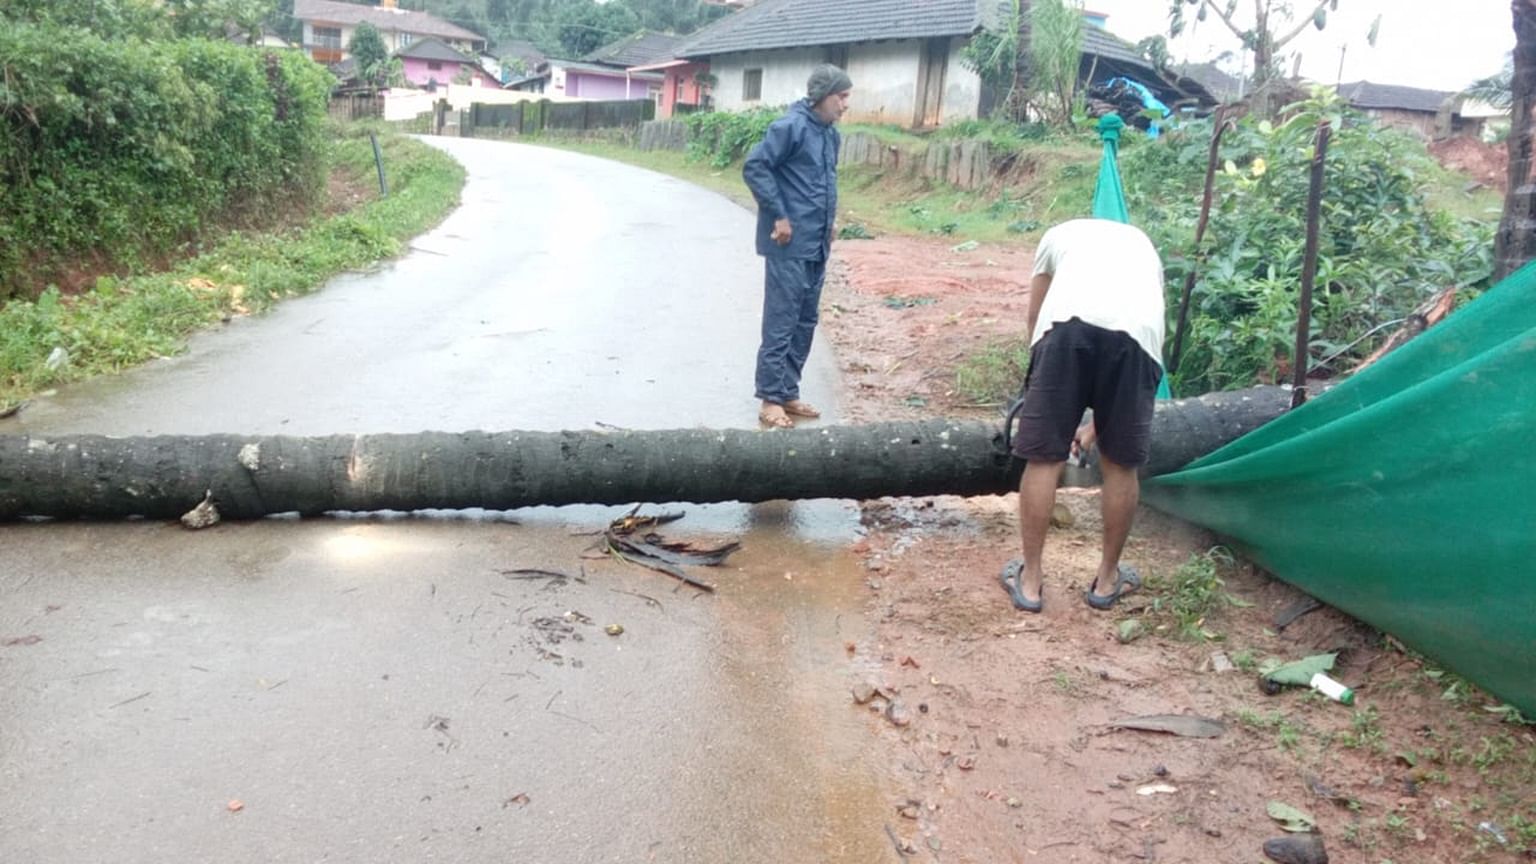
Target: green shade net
{"x": 1405, "y": 496}
{"x": 1109, "y": 194}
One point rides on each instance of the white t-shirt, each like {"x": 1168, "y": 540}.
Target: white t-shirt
{"x": 1106, "y": 273}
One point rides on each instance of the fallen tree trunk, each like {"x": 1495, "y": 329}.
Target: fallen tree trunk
{"x": 253, "y": 476}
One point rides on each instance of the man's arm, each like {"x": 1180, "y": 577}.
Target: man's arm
{"x": 1038, "y": 287}
{"x": 758, "y": 172}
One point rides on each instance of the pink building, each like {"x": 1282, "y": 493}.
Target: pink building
{"x": 427, "y": 62}
{"x": 680, "y": 85}
{"x": 576, "y": 80}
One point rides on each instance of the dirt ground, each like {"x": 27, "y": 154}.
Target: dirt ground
{"x": 1488, "y": 164}
{"x": 998, "y": 723}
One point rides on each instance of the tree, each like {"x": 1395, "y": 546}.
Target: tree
{"x": 1034, "y": 59}
{"x": 370, "y": 55}
{"x": 583, "y": 26}
{"x": 1515, "y": 244}
{"x": 1496, "y": 89}
{"x": 1265, "y": 36}
{"x": 249, "y": 476}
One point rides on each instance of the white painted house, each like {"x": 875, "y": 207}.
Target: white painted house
{"x": 903, "y": 55}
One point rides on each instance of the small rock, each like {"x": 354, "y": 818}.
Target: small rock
{"x": 907, "y": 810}
{"x": 1296, "y": 849}
{"x": 1015, "y": 803}
{"x": 614, "y": 629}
{"x": 1419, "y": 835}
{"x": 862, "y": 693}
{"x": 898, "y": 714}
{"x": 876, "y": 566}
{"x": 935, "y": 844}
{"x": 1002, "y": 740}
{"x": 1124, "y": 778}
{"x": 1220, "y": 663}
{"x": 1157, "y": 789}
{"x": 1405, "y": 801}
{"x": 966, "y": 763}
{"x": 1130, "y": 630}
{"x": 1061, "y": 517}
{"x": 204, "y": 515}
{"x": 1117, "y": 785}
{"x": 1161, "y": 770}
{"x": 1213, "y": 832}
{"x": 235, "y": 806}
{"x": 874, "y": 584}
{"x": 922, "y": 707}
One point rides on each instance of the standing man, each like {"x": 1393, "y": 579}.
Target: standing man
{"x": 792, "y": 173}
{"x": 1096, "y": 325}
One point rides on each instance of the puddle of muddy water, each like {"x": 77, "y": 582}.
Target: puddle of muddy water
{"x": 293, "y": 664}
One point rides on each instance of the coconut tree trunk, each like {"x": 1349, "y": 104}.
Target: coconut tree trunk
{"x": 250, "y": 476}
{"x": 1515, "y": 243}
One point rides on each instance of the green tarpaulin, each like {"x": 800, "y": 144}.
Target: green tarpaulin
{"x": 1109, "y": 193}
{"x": 1405, "y": 496}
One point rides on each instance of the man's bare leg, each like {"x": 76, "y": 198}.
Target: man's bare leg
{"x": 1122, "y": 490}
{"x": 1037, "y": 494}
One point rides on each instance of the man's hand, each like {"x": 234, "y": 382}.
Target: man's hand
{"x": 782, "y": 231}
{"x": 1087, "y": 436}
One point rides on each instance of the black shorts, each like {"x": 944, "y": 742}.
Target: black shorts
{"x": 1076, "y": 366}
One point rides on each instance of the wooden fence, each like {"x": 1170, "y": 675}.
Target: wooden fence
{"x": 529, "y": 118}
{"x": 355, "y": 106}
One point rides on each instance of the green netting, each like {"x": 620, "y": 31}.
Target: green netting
{"x": 1405, "y": 496}
{"x": 1109, "y": 194}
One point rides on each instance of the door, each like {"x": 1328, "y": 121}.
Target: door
{"x": 931, "y": 67}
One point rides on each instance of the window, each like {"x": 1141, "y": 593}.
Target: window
{"x": 434, "y": 65}
{"x": 406, "y": 39}
{"x": 837, "y": 55}
{"x": 326, "y": 37}
{"x": 752, "y": 85}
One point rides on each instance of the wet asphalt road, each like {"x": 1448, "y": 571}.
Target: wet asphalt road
{"x": 376, "y": 689}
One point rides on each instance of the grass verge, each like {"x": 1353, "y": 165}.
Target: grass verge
{"x": 122, "y": 322}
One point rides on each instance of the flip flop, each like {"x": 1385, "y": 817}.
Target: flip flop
{"x": 1127, "y": 581}
{"x": 1010, "y": 579}
{"x": 779, "y": 422}
{"x": 796, "y": 408}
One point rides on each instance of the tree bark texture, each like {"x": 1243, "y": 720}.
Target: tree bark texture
{"x": 1515, "y": 244}
{"x": 252, "y": 476}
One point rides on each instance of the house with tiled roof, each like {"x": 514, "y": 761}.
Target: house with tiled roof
{"x": 328, "y": 26}
{"x": 1430, "y": 114}
{"x": 904, "y": 56}
{"x": 431, "y": 62}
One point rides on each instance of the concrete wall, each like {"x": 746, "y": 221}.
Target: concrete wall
{"x": 884, "y": 80}
{"x": 403, "y": 104}
{"x": 587, "y": 85}
{"x": 962, "y": 87}
{"x": 784, "y": 76}
{"x": 419, "y": 72}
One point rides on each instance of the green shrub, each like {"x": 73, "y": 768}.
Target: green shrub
{"x": 1383, "y": 251}
{"x": 723, "y": 137}
{"x": 123, "y": 148}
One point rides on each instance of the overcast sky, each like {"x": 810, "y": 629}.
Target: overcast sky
{"x": 1435, "y": 44}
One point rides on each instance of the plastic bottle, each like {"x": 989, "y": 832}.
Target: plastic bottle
{"x": 1333, "y": 689}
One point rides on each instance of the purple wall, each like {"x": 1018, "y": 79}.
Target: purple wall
{"x": 586, "y": 85}
{"x": 418, "y": 72}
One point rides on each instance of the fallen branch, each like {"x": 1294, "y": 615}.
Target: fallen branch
{"x": 1430, "y": 313}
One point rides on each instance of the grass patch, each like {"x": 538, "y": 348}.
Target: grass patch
{"x": 127, "y": 321}
{"x": 1188, "y": 596}
{"x": 993, "y": 374}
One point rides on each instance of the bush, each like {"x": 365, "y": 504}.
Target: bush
{"x": 121, "y": 148}
{"x": 723, "y": 137}
{"x": 1383, "y": 251}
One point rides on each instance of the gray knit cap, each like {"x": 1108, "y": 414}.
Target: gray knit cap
{"x": 826, "y": 79}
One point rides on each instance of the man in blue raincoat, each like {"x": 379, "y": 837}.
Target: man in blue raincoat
{"x": 792, "y": 173}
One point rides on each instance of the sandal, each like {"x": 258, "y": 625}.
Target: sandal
{"x": 1012, "y": 571}
{"x": 796, "y": 408}
{"x": 1127, "y": 581}
{"x": 775, "y": 421}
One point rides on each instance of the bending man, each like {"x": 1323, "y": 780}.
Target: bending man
{"x": 1096, "y": 325}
